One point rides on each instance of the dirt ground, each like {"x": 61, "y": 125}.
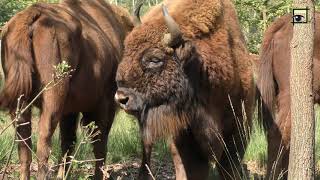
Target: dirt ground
{"x": 162, "y": 170}
{"x": 120, "y": 171}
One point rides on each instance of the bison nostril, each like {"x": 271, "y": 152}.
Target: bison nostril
{"x": 123, "y": 100}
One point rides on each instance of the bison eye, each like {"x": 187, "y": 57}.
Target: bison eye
{"x": 298, "y": 18}
{"x": 152, "y": 63}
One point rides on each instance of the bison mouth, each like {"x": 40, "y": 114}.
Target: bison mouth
{"x": 130, "y": 101}
{"x": 135, "y": 103}
{"x": 156, "y": 120}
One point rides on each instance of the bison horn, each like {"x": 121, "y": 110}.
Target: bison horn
{"x": 136, "y": 14}
{"x": 174, "y": 37}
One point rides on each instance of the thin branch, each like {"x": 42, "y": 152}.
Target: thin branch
{"x": 29, "y": 105}
{"x": 10, "y": 124}
{"x": 75, "y": 153}
{"x": 37, "y": 96}
{"x": 13, "y": 139}
{"x": 89, "y": 133}
{"x": 149, "y": 171}
{"x": 77, "y": 161}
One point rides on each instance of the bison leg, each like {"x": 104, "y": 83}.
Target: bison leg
{"x": 25, "y": 144}
{"x": 230, "y": 166}
{"x": 146, "y": 157}
{"x": 68, "y": 134}
{"x": 189, "y": 161}
{"x": 52, "y": 106}
{"x": 278, "y": 137}
{"x": 47, "y": 124}
{"x": 178, "y": 165}
{"x": 278, "y": 155}
{"x": 103, "y": 118}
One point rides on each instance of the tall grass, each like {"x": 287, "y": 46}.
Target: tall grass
{"x": 124, "y": 139}
{"x": 124, "y": 143}
{"x": 257, "y": 148}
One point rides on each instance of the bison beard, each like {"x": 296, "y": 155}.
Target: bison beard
{"x": 162, "y": 121}
{"x": 167, "y": 119}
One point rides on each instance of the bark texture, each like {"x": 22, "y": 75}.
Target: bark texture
{"x": 301, "y": 163}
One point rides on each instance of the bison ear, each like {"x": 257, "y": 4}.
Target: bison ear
{"x": 136, "y": 14}
{"x": 185, "y": 52}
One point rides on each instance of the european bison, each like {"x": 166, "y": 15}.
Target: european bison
{"x": 89, "y": 36}
{"x": 187, "y": 76}
{"x": 273, "y": 83}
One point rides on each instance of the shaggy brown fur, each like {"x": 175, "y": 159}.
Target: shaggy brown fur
{"x": 184, "y": 91}
{"x": 273, "y": 83}
{"x": 88, "y": 35}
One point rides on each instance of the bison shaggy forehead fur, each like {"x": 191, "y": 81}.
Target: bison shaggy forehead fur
{"x": 175, "y": 83}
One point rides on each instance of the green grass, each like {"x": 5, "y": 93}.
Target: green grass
{"x": 257, "y": 147}
{"x": 124, "y": 139}
{"x": 124, "y": 143}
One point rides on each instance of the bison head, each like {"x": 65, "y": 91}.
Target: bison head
{"x": 153, "y": 78}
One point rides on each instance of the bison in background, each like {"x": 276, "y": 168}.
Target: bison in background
{"x": 273, "y": 84}
{"x": 189, "y": 76}
{"x": 89, "y": 36}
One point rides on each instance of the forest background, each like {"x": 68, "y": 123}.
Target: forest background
{"x": 124, "y": 141}
{"x": 254, "y": 15}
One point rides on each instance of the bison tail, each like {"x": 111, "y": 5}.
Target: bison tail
{"x": 17, "y": 59}
{"x": 265, "y": 116}
{"x": 266, "y": 85}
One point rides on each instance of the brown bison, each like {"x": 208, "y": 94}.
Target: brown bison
{"x": 89, "y": 36}
{"x": 273, "y": 84}
{"x": 188, "y": 75}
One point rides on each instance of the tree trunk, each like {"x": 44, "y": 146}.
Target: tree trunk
{"x": 302, "y": 145}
